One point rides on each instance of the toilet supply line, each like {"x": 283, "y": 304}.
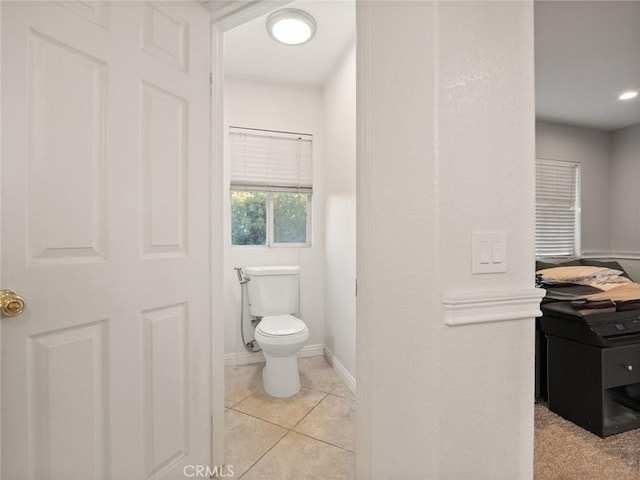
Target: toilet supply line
{"x": 250, "y": 346}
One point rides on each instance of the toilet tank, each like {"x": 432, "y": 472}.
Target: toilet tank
{"x": 273, "y": 290}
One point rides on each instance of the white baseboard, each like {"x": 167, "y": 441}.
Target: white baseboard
{"x": 316, "y": 350}
{"x": 348, "y": 379}
{"x": 242, "y": 358}
{"x": 245, "y": 358}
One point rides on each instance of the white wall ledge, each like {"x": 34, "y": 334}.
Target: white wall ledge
{"x": 612, "y": 255}
{"x": 491, "y": 306}
{"x": 625, "y": 255}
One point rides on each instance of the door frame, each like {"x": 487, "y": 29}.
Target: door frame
{"x": 216, "y": 112}
{"x": 224, "y": 18}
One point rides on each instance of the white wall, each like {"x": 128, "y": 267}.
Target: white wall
{"x": 340, "y": 212}
{"x": 625, "y": 194}
{"x": 446, "y": 92}
{"x": 592, "y": 149}
{"x": 625, "y": 198}
{"x": 610, "y": 197}
{"x": 292, "y": 109}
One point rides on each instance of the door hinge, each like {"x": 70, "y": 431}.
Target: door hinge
{"x": 211, "y": 79}
{"x": 356, "y": 287}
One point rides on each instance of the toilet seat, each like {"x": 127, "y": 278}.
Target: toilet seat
{"x": 281, "y": 326}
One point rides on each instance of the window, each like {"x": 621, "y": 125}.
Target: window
{"x": 557, "y": 208}
{"x": 271, "y": 188}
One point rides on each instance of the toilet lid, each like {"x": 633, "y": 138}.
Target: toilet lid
{"x": 281, "y": 325}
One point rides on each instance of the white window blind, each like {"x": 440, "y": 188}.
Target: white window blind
{"x": 557, "y": 208}
{"x": 270, "y": 161}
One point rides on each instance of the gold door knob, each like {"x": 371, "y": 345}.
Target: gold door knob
{"x": 11, "y": 304}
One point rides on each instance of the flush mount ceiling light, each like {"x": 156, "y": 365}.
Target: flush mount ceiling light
{"x": 628, "y": 95}
{"x": 291, "y": 26}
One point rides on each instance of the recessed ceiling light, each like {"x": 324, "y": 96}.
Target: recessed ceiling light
{"x": 291, "y": 26}
{"x": 628, "y": 95}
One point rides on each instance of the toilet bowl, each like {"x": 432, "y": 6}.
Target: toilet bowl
{"x": 281, "y": 337}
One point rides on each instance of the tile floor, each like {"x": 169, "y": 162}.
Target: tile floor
{"x": 308, "y": 436}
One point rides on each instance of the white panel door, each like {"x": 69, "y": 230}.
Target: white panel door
{"x": 105, "y": 232}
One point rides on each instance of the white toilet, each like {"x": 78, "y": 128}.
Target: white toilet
{"x": 273, "y": 294}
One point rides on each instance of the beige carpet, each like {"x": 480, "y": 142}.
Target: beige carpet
{"x": 564, "y": 451}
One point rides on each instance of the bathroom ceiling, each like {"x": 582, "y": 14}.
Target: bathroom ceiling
{"x": 587, "y": 54}
{"x": 251, "y": 53}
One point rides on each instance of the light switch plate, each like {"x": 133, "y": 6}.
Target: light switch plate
{"x": 489, "y": 252}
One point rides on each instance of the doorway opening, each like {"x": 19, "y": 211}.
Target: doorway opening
{"x": 311, "y": 90}
{"x": 586, "y": 59}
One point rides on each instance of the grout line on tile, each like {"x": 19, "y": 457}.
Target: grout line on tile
{"x": 312, "y": 409}
{"x": 243, "y": 399}
{"x": 262, "y": 456}
{"x": 323, "y": 441}
{"x": 259, "y": 418}
{"x": 277, "y": 424}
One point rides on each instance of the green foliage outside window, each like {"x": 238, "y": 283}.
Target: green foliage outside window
{"x": 248, "y": 218}
{"x": 289, "y": 218}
